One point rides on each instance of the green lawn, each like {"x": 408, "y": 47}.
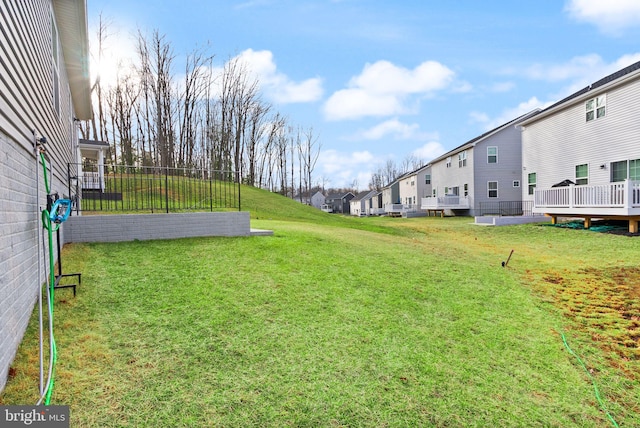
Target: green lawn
{"x": 348, "y": 322}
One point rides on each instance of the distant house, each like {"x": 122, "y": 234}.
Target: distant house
{"x": 44, "y": 64}
{"x": 316, "y": 200}
{"x": 358, "y": 205}
{"x": 482, "y": 176}
{"x": 339, "y": 202}
{"x": 391, "y": 197}
{"x": 414, "y": 186}
{"x": 373, "y": 204}
{"x": 587, "y": 146}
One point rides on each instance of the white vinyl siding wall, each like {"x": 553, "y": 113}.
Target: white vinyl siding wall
{"x": 555, "y": 144}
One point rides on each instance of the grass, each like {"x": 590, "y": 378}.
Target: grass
{"x": 339, "y": 321}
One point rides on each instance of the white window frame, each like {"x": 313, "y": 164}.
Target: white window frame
{"x": 582, "y": 180}
{"x": 449, "y": 162}
{"x": 427, "y": 179}
{"x": 532, "y": 184}
{"x": 489, "y": 155}
{"x": 596, "y": 108}
{"x": 516, "y": 183}
{"x": 466, "y": 189}
{"x": 489, "y": 189}
{"x": 462, "y": 159}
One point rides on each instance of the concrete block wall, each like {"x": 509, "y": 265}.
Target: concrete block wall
{"x": 128, "y": 227}
{"x": 20, "y": 240}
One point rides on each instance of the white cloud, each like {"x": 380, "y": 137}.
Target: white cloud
{"x": 344, "y": 168}
{"x": 429, "y": 151}
{"x": 395, "y": 129}
{"x": 579, "y": 71}
{"x": 384, "y": 89}
{"x": 611, "y": 17}
{"x": 508, "y": 114}
{"x": 277, "y": 85}
{"x": 480, "y": 117}
{"x": 575, "y": 68}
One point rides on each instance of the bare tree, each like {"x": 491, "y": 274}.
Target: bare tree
{"x": 309, "y": 149}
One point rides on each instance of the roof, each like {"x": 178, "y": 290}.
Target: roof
{"x": 338, "y": 195}
{"x": 363, "y": 195}
{"x": 628, "y": 72}
{"x": 71, "y": 20}
{"x": 487, "y": 134}
{"x": 92, "y": 143}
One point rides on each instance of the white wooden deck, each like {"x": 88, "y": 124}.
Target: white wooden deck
{"x": 450, "y": 202}
{"x": 399, "y": 209}
{"x": 612, "y": 200}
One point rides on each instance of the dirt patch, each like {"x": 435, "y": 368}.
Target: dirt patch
{"x": 605, "y": 304}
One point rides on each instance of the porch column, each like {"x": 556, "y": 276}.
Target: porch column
{"x": 101, "y": 169}
{"x": 587, "y": 222}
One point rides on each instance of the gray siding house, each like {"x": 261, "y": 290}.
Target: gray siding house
{"x": 339, "y": 202}
{"x": 590, "y": 143}
{"x": 44, "y": 83}
{"x": 482, "y": 176}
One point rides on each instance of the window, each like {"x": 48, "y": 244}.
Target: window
{"x": 516, "y": 183}
{"x": 434, "y": 193}
{"x": 466, "y": 190}
{"x": 532, "y": 179}
{"x": 582, "y": 174}
{"x": 492, "y": 154}
{"x": 455, "y": 191}
{"x": 492, "y": 188}
{"x": 413, "y": 182}
{"x": 462, "y": 159}
{"x": 634, "y": 169}
{"x": 618, "y": 171}
{"x": 596, "y": 108}
{"x": 446, "y": 190}
{"x": 427, "y": 179}
{"x": 449, "y": 162}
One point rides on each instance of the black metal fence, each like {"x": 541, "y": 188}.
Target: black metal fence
{"x": 120, "y": 188}
{"x": 506, "y": 208}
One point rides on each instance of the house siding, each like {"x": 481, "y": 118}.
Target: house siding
{"x": 26, "y": 105}
{"x": 454, "y": 176}
{"x": 554, "y": 145}
{"x": 505, "y": 171}
{"x": 413, "y": 188}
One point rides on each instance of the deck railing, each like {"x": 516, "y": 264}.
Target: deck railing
{"x": 506, "y": 208}
{"x": 400, "y": 208}
{"x": 624, "y": 194}
{"x": 120, "y": 188}
{"x": 449, "y": 201}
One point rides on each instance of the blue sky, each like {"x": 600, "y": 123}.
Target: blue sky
{"x": 379, "y": 80}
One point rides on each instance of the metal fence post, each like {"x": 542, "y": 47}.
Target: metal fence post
{"x": 166, "y": 189}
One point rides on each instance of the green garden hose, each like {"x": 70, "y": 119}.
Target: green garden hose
{"x": 53, "y": 356}
{"x": 593, "y": 381}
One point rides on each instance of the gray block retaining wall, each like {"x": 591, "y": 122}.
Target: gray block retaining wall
{"x": 129, "y": 227}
